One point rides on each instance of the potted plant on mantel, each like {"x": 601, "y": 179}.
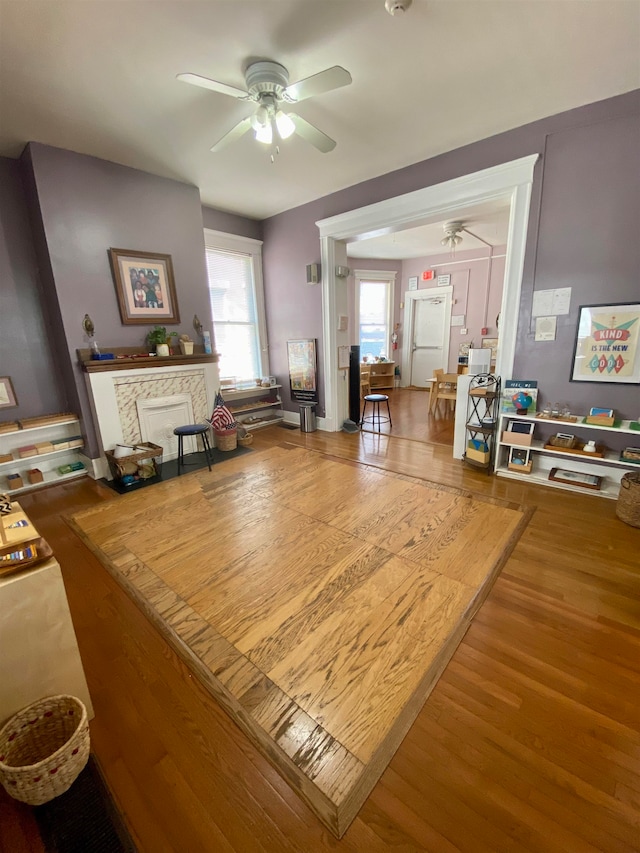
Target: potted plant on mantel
{"x": 158, "y": 337}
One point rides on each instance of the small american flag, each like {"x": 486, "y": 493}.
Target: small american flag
{"x": 221, "y": 418}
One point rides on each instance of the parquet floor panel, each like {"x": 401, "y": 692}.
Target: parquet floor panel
{"x": 320, "y": 622}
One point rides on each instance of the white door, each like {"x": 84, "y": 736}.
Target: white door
{"x": 429, "y": 341}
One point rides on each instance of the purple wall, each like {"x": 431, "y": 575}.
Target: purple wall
{"x": 217, "y": 220}
{"x": 585, "y": 196}
{"x": 81, "y": 206}
{"x": 25, "y": 354}
{"x": 589, "y": 240}
{"x": 477, "y": 293}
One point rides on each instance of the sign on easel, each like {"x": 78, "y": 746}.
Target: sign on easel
{"x": 303, "y": 369}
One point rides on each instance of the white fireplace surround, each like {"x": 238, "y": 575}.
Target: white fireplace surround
{"x": 130, "y": 406}
{"x": 159, "y": 416}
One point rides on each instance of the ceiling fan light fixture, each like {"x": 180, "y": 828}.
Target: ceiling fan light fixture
{"x": 264, "y": 134}
{"x": 284, "y": 125}
{"x": 452, "y": 234}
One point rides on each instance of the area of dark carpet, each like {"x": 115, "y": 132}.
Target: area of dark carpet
{"x": 169, "y": 469}
{"x": 84, "y": 819}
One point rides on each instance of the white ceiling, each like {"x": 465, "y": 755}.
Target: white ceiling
{"x": 486, "y": 223}
{"x": 98, "y": 77}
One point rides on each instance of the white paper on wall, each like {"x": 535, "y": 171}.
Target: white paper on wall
{"x": 548, "y": 302}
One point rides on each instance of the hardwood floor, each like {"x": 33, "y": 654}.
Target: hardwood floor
{"x": 530, "y": 740}
{"x": 411, "y": 417}
{"x": 321, "y": 623}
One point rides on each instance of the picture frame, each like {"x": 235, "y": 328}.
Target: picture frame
{"x": 145, "y": 287}
{"x": 302, "y": 360}
{"x": 576, "y": 478}
{"x": 597, "y": 412}
{"x": 492, "y": 344}
{"x": 519, "y": 457}
{"x": 8, "y": 397}
{"x": 607, "y": 344}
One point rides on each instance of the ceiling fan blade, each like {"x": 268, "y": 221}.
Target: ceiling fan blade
{"x": 235, "y": 133}
{"x": 324, "y": 81}
{"x": 316, "y": 137}
{"x": 214, "y": 85}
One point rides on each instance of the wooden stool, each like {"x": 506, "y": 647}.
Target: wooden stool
{"x": 375, "y": 417}
{"x": 193, "y": 429}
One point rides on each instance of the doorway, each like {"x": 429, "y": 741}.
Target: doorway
{"x": 427, "y": 319}
{"x": 509, "y": 180}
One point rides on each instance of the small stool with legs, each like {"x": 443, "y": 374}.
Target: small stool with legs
{"x": 375, "y": 418}
{"x": 193, "y": 429}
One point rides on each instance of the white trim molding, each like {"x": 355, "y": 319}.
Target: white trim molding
{"x": 511, "y": 180}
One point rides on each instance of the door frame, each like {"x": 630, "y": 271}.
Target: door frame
{"x": 512, "y": 180}
{"x": 410, "y": 299}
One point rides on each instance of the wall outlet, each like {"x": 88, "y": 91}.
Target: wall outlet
{"x": 463, "y": 331}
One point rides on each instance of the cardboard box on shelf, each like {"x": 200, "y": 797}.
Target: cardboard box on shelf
{"x": 14, "y": 481}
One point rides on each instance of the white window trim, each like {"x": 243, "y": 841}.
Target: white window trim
{"x": 247, "y": 246}
{"x": 377, "y": 275}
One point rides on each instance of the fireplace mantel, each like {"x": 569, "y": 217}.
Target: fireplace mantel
{"x": 127, "y": 358}
{"x": 116, "y": 387}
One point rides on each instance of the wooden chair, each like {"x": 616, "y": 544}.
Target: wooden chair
{"x": 443, "y": 387}
{"x": 365, "y": 380}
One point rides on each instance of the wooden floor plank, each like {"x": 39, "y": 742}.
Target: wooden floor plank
{"x": 352, "y": 632}
{"x": 516, "y": 714}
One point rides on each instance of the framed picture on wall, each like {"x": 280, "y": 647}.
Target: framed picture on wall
{"x": 492, "y": 344}
{"x": 607, "y": 345}
{"x": 145, "y": 287}
{"x": 7, "y": 394}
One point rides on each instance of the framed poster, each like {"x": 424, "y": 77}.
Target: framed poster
{"x": 303, "y": 369}
{"x": 607, "y": 344}
{"x": 145, "y": 287}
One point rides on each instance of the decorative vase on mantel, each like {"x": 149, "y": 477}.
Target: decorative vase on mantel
{"x": 162, "y": 349}
{"x": 186, "y": 347}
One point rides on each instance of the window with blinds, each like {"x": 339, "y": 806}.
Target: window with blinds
{"x": 374, "y": 298}
{"x": 235, "y": 293}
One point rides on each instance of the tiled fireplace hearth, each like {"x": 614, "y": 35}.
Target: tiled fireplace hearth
{"x": 145, "y": 404}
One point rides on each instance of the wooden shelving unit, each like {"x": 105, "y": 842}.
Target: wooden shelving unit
{"x": 381, "y": 376}
{"x": 251, "y": 409}
{"x": 609, "y": 466}
{"x": 47, "y": 463}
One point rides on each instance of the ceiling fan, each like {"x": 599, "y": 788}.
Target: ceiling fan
{"x": 268, "y": 87}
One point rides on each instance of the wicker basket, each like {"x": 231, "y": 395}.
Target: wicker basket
{"x": 628, "y": 505}
{"x": 245, "y": 440}
{"x": 226, "y": 439}
{"x": 43, "y": 749}
{"x": 142, "y": 464}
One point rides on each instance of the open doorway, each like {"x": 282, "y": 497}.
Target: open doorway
{"x": 510, "y": 181}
